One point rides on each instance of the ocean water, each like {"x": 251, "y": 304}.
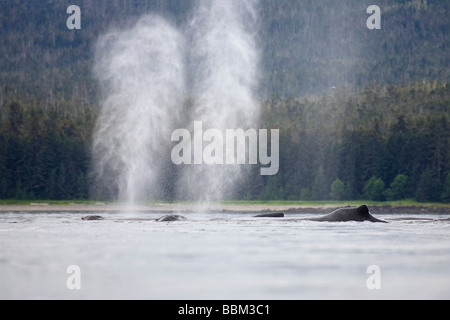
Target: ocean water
{"x": 222, "y": 256}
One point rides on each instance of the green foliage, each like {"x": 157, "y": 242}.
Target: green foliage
{"x": 46, "y": 154}
{"x": 320, "y": 187}
{"x": 398, "y": 188}
{"x": 374, "y": 189}
{"x": 45, "y": 151}
{"x": 337, "y": 190}
{"x": 446, "y": 193}
{"x": 379, "y": 131}
{"x": 428, "y": 188}
{"x": 273, "y": 190}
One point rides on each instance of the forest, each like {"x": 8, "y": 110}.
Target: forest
{"x": 381, "y": 143}
{"x": 384, "y": 143}
{"x": 362, "y": 114}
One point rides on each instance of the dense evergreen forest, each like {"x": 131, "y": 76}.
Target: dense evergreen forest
{"x": 389, "y": 142}
{"x": 384, "y": 142}
{"x": 362, "y": 114}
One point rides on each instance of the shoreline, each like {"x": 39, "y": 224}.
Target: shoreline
{"x": 181, "y": 207}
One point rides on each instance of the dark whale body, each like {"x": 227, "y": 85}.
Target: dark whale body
{"x": 340, "y": 215}
{"x": 170, "y": 218}
{"x": 349, "y": 214}
{"x": 270, "y": 215}
{"x": 92, "y": 218}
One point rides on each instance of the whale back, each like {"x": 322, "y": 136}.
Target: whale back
{"x": 170, "y": 218}
{"x": 349, "y": 214}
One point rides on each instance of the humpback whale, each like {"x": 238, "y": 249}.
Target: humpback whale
{"x": 270, "y": 215}
{"x": 92, "y": 218}
{"x": 340, "y": 215}
{"x": 348, "y": 214}
{"x": 170, "y": 217}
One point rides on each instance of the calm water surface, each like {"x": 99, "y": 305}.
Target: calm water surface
{"x": 222, "y": 256}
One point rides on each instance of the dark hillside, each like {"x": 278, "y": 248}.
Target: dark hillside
{"x": 307, "y": 46}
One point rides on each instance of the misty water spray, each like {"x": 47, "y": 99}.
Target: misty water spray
{"x": 150, "y": 77}
{"x": 141, "y": 73}
{"x": 224, "y": 76}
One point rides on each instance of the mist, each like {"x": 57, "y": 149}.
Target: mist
{"x": 155, "y": 78}
{"x": 224, "y": 61}
{"x": 142, "y": 75}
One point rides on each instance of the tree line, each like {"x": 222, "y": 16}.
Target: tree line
{"x": 380, "y": 143}
{"x": 44, "y": 154}
{"x": 383, "y": 143}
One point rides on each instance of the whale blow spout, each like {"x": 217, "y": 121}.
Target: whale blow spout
{"x": 349, "y": 214}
